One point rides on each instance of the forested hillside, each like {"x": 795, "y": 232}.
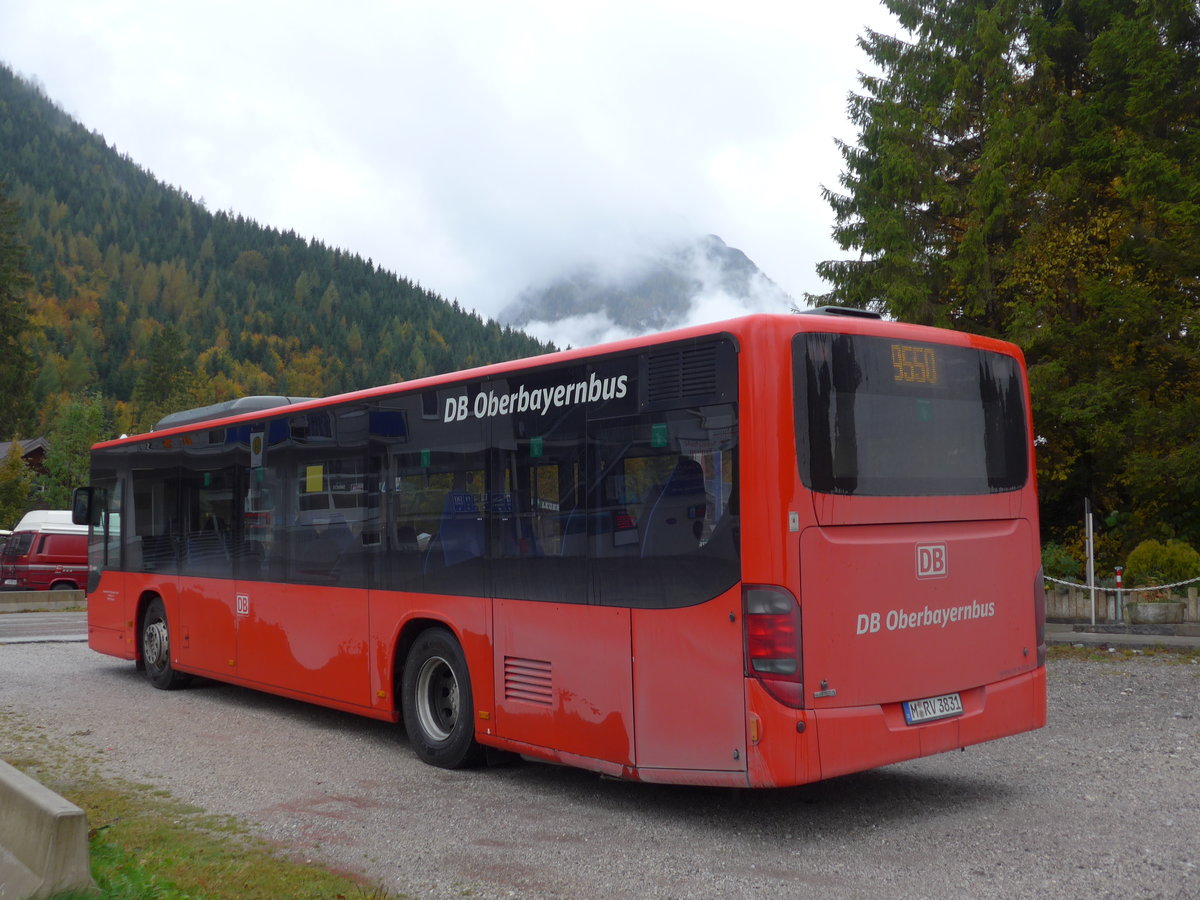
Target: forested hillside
{"x": 140, "y": 293}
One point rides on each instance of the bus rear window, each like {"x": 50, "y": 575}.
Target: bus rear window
{"x": 888, "y": 418}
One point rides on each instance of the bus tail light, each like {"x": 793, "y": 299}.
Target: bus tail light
{"x": 773, "y": 648}
{"x": 623, "y": 521}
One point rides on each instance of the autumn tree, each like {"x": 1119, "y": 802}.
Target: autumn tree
{"x": 1027, "y": 169}
{"x": 16, "y": 485}
{"x": 78, "y": 425}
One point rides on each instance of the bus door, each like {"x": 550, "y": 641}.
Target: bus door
{"x": 107, "y": 613}
{"x": 202, "y": 523}
{"x": 310, "y": 518}
{"x": 177, "y": 543}
{"x": 676, "y": 482}
{"x": 562, "y": 662}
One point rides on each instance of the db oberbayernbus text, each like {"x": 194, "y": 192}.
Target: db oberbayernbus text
{"x": 758, "y": 553}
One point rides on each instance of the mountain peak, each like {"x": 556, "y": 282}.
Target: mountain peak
{"x": 665, "y": 287}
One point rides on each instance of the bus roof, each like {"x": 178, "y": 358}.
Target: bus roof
{"x": 816, "y": 319}
{"x": 224, "y": 410}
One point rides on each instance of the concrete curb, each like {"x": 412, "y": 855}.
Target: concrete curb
{"x": 1065, "y": 634}
{"x": 32, "y": 601}
{"x": 43, "y": 840}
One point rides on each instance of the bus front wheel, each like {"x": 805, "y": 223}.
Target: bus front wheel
{"x": 156, "y": 648}
{"x": 437, "y": 702}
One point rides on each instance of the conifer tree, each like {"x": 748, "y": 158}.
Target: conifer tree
{"x": 16, "y": 363}
{"x": 167, "y": 381}
{"x": 1028, "y": 169}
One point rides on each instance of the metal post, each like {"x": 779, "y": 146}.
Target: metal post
{"x": 1120, "y": 570}
{"x": 1091, "y": 556}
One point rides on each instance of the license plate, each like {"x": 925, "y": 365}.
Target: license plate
{"x": 917, "y": 711}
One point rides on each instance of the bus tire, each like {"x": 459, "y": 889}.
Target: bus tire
{"x": 437, "y": 702}
{"x": 156, "y": 648}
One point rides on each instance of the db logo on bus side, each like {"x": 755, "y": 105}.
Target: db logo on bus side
{"x": 931, "y": 561}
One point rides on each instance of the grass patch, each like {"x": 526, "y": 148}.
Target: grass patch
{"x": 145, "y": 845}
{"x": 1178, "y": 655}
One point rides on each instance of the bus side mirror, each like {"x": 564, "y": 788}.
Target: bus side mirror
{"x": 82, "y": 512}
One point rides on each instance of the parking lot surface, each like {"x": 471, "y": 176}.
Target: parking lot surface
{"x": 1104, "y": 802}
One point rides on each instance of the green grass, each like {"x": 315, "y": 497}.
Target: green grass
{"x": 145, "y": 845}
{"x": 1181, "y": 655}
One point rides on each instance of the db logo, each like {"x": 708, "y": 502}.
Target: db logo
{"x": 931, "y": 561}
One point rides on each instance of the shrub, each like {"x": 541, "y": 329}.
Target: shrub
{"x": 1153, "y": 563}
{"x": 1057, "y": 562}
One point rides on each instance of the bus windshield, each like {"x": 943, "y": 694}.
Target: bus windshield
{"x": 886, "y": 418}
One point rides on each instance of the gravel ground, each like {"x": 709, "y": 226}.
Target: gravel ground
{"x": 1103, "y": 802}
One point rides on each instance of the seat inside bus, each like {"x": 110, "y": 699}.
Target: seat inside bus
{"x": 673, "y": 520}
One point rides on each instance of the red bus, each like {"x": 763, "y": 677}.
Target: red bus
{"x": 758, "y": 553}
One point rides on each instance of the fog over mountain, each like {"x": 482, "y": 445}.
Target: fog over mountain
{"x": 659, "y": 288}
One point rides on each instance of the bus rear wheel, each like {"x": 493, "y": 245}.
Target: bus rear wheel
{"x": 437, "y": 702}
{"x": 156, "y": 648}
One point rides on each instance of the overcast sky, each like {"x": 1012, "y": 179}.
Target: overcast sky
{"x": 475, "y": 147}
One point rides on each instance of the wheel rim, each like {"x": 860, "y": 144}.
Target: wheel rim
{"x": 154, "y": 644}
{"x": 437, "y": 698}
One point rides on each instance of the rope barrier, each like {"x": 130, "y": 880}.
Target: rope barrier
{"x": 1156, "y": 587}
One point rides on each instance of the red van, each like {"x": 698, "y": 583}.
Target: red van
{"x": 46, "y": 551}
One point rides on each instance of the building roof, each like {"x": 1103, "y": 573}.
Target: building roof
{"x": 28, "y": 447}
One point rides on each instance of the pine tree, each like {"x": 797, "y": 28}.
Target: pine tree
{"x": 167, "y": 382}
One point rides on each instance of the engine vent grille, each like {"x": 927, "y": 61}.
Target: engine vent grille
{"x": 682, "y": 373}
{"x": 528, "y": 681}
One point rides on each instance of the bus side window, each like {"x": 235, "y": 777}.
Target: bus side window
{"x": 207, "y": 513}
{"x": 413, "y": 513}
{"x": 673, "y": 521}
{"x": 460, "y": 535}
{"x": 336, "y": 502}
{"x": 724, "y": 541}
{"x": 436, "y": 522}
{"x": 153, "y": 545}
{"x": 663, "y": 507}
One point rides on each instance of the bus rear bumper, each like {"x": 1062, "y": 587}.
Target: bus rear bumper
{"x": 859, "y": 738}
